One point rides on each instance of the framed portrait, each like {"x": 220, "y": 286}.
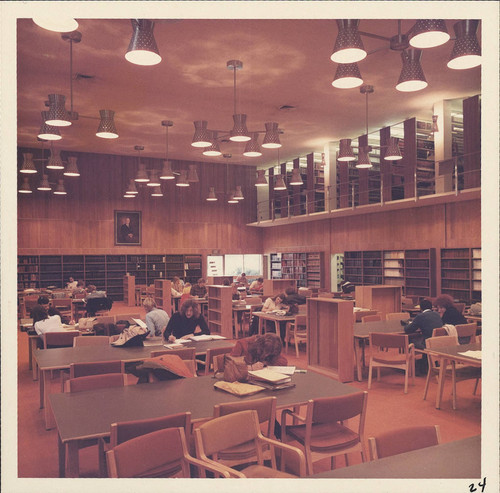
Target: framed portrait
{"x": 128, "y": 228}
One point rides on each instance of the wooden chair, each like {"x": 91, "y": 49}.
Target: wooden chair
{"x": 127, "y": 430}
{"x": 159, "y": 452}
{"x": 91, "y": 341}
{"x": 77, "y": 370}
{"x": 64, "y": 306}
{"x": 187, "y": 354}
{"x": 391, "y": 351}
{"x": 296, "y": 330}
{"x": 466, "y": 333}
{"x": 371, "y": 318}
{"x": 59, "y": 339}
{"x": 323, "y": 432}
{"x": 211, "y": 354}
{"x": 238, "y": 429}
{"x": 397, "y": 316}
{"x": 403, "y": 440}
{"x": 305, "y": 292}
{"x": 266, "y": 412}
{"x": 358, "y": 315}
{"x": 457, "y": 372}
{"x": 460, "y": 307}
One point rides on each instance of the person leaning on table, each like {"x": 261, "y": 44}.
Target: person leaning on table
{"x": 43, "y": 322}
{"x": 186, "y": 322}
{"x": 156, "y": 319}
{"x": 260, "y": 350}
{"x": 199, "y": 290}
{"x": 257, "y": 286}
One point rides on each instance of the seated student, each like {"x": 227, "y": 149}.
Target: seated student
{"x": 257, "y": 286}
{"x": 276, "y": 303}
{"x": 72, "y": 284}
{"x": 294, "y": 298}
{"x": 348, "y": 288}
{"x": 177, "y": 285}
{"x": 186, "y": 322}
{"x": 447, "y": 310}
{"x": 260, "y": 351}
{"x": 93, "y": 293}
{"x": 45, "y": 303}
{"x": 199, "y": 290}
{"x": 156, "y": 319}
{"x": 187, "y": 288}
{"x": 79, "y": 290}
{"x": 242, "y": 280}
{"x": 43, "y": 322}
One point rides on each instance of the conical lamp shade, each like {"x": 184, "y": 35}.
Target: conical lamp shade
{"x": 231, "y": 199}
{"x": 466, "y": 51}
{"x": 157, "y": 192}
{"x": 345, "y": 152}
{"x": 142, "y": 49}
{"x": 272, "y": 137}
{"x": 279, "y": 184}
{"x": 55, "y": 161}
{"x": 153, "y": 180}
{"x": 28, "y": 164}
{"x": 132, "y": 190}
{"x": 44, "y": 184}
{"x": 72, "y": 167}
{"x": 57, "y": 23}
{"x": 261, "y": 178}
{"x": 182, "y": 180}
{"x": 211, "y": 195}
{"x": 192, "y": 176}
{"x": 393, "y": 153}
{"x": 166, "y": 172}
{"x": 363, "y": 159}
{"x": 252, "y": 149}
{"x": 129, "y": 196}
{"x": 107, "y": 129}
{"x": 239, "y": 133}
{"x": 347, "y": 76}
{"x": 142, "y": 174}
{"x": 428, "y": 33}
{"x": 48, "y": 132}
{"x": 238, "y": 194}
{"x": 201, "y": 137}
{"x": 296, "y": 179}
{"x": 60, "y": 190}
{"x": 25, "y": 186}
{"x": 58, "y": 116}
{"x": 412, "y": 76}
{"x": 348, "y": 45}
{"x": 214, "y": 149}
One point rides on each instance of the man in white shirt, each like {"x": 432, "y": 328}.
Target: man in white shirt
{"x": 156, "y": 319}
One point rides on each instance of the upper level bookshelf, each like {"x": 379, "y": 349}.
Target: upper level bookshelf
{"x": 461, "y": 273}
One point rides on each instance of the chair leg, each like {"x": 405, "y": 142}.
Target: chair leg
{"x": 370, "y": 368}
{"x": 475, "y": 386}
{"x": 427, "y": 381}
{"x": 309, "y": 462}
{"x": 453, "y": 385}
{"x": 407, "y": 369}
{"x": 297, "y": 347}
{"x": 346, "y": 459}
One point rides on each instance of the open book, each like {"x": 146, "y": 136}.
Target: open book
{"x": 207, "y": 337}
{"x": 266, "y": 375}
{"x": 140, "y": 323}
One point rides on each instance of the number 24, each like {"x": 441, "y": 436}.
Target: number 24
{"x": 472, "y": 487}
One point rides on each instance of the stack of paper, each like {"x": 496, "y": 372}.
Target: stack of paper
{"x": 269, "y": 376}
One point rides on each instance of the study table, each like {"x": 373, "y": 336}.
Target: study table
{"x": 458, "y": 459}
{"x": 273, "y": 318}
{"x": 61, "y": 358}
{"x": 451, "y": 354}
{"x": 76, "y": 422}
{"x": 239, "y": 310}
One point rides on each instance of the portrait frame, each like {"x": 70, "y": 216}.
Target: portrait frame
{"x": 131, "y": 235}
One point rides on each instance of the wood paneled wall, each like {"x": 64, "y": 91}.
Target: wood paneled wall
{"x": 182, "y": 221}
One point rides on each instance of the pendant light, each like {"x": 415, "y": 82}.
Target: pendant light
{"x": 296, "y": 179}
{"x": 363, "y": 153}
{"x": 54, "y": 161}
{"x": 71, "y": 168}
{"x": 238, "y": 194}
{"x": 214, "y": 149}
{"x": 192, "y": 176}
{"x": 167, "y": 173}
{"x": 252, "y": 149}
{"x": 58, "y": 115}
{"x": 393, "y": 153}
{"x": 153, "y": 180}
{"x": 211, "y": 195}
{"x": 107, "y": 129}
{"x": 272, "y": 136}
{"x": 28, "y": 166}
{"x": 363, "y": 159}
{"x": 201, "y": 137}
{"x": 323, "y": 161}
{"x": 347, "y": 76}
{"x": 25, "y": 186}
{"x": 428, "y": 33}
{"x": 132, "y": 190}
{"x": 182, "y": 180}
{"x": 231, "y": 199}
{"x": 48, "y": 132}
{"x": 44, "y": 184}
{"x": 412, "y": 76}
{"x": 57, "y": 23}
{"x": 348, "y": 45}
{"x": 129, "y": 196}
{"x": 60, "y": 190}
{"x": 279, "y": 183}
{"x": 142, "y": 174}
{"x": 261, "y": 178}
{"x": 157, "y": 192}
{"x": 239, "y": 133}
{"x": 466, "y": 51}
{"x": 142, "y": 49}
{"x": 346, "y": 153}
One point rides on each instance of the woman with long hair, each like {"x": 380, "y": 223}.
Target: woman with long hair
{"x": 188, "y": 321}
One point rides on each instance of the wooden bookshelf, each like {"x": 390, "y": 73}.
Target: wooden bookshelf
{"x": 220, "y": 310}
{"x": 51, "y": 271}
{"x": 28, "y": 272}
{"x": 156, "y": 268}
{"x": 116, "y": 268}
{"x": 330, "y": 337}
{"x": 364, "y": 267}
{"x": 420, "y": 272}
{"x": 382, "y": 298}
{"x": 163, "y": 295}
{"x": 304, "y": 267}
{"x": 219, "y": 280}
{"x": 461, "y": 273}
{"x": 174, "y": 266}
{"x": 192, "y": 268}
{"x": 272, "y": 287}
{"x": 129, "y": 290}
{"x": 394, "y": 267}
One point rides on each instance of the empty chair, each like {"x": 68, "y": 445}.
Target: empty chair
{"x": 126, "y": 430}
{"x": 403, "y": 440}
{"x": 391, "y": 351}
{"x": 457, "y": 371}
{"x": 91, "y": 341}
{"x": 211, "y": 354}
{"x": 237, "y": 429}
{"x": 371, "y": 318}
{"x": 296, "y": 330}
{"x": 95, "y": 368}
{"x": 64, "y": 306}
{"x": 266, "y": 412}
{"x": 322, "y": 431}
{"x": 156, "y": 455}
{"x": 397, "y": 316}
{"x": 59, "y": 339}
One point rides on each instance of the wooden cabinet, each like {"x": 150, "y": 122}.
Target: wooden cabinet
{"x": 272, "y": 287}
{"x": 163, "y": 295}
{"x": 461, "y": 273}
{"x": 383, "y": 298}
{"x": 220, "y": 310}
{"x": 330, "y": 337}
{"x": 129, "y": 290}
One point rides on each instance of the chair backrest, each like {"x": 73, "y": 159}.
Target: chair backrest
{"x": 95, "y": 368}
{"x": 460, "y": 307}
{"x": 91, "y": 341}
{"x": 438, "y": 342}
{"x": 253, "y": 300}
{"x": 94, "y": 382}
{"x": 466, "y": 333}
{"x": 227, "y": 431}
{"x": 185, "y": 353}
{"x": 126, "y": 430}
{"x": 265, "y": 407}
{"x": 403, "y": 440}
{"x": 79, "y": 295}
{"x": 300, "y": 320}
{"x": 305, "y": 292}
{"x": 59, "y": 339}
{"x": 371, "y": 318}
{"x": 338, "y": 408}
{"x": 62, "y": 304}
{"x": 383, "y": 340}
{"x": 157, "y": 454}
{"x": 397, "y": 316}
{"x": 212, "y": 353}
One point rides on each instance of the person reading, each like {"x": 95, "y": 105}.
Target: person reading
{"x": 188, "y": 321}
{"x": 156, "y": 318}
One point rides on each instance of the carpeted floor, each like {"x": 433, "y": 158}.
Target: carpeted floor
{"x": 388, "y": 408}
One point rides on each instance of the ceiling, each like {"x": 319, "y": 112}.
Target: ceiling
{"x": 285, "y": 63}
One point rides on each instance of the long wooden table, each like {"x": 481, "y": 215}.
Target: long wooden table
{"x": 75, "y": 422}
{"x": 447, "y": 355}
{"x": 61, "y": 358}
{"x": 459, "y": 459}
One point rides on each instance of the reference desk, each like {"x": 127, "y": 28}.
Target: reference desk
{"x": 61, "y": 358}
{"x": 459, "y": 459}
{"x": 76, "y": 422}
